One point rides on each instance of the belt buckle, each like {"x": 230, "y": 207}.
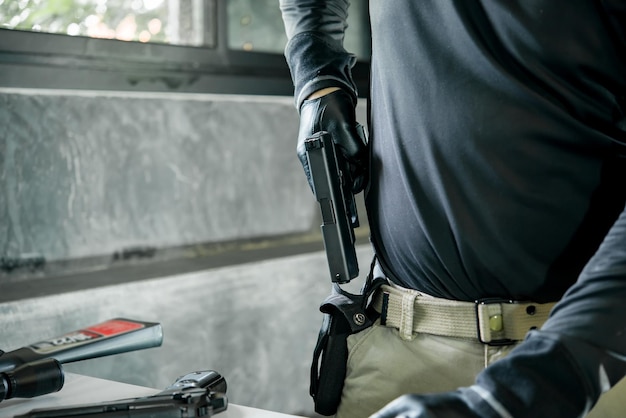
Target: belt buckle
{"x": 492, "y": 342}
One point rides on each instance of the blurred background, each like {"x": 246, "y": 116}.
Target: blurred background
{"x": 148, "y": 171}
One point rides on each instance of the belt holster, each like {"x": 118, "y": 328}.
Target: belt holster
{"x": 344, "y": 314}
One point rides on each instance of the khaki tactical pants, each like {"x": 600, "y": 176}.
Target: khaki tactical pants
{"x": 382, "y": 366}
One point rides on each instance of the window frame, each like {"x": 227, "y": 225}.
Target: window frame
{"x": 58, "y": 61}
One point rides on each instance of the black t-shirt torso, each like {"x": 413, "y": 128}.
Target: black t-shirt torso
{"x": 496, "y": 131}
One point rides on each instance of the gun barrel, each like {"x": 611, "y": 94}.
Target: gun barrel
{"x": 336, "y": 204}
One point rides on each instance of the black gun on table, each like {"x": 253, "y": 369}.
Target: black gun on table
{"x": 196, "y": 394}
{"x": 339, "y": 215}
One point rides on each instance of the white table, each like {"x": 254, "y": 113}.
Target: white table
{"x": 80, "y": 389}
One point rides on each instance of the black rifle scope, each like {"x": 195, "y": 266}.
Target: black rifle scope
{"x": 32, "y": 379}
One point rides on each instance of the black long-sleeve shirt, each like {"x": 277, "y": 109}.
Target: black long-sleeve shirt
{"x": 498, "y": 156}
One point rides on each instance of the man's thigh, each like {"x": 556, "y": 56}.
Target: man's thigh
{"x": 612, "y": 404}
{"x": 381, "y": 366}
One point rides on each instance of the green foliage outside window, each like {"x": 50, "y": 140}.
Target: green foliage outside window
{"x": 169, "y": 21}
{"x": 253, "y": 25}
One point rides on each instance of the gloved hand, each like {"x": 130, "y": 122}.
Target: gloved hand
{"x": 334, "y": 113}
{"x": 441, "y": 405}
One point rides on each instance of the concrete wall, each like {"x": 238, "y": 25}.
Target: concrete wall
{"x": 90, "y": 173}
{"x": 89, "y": 177}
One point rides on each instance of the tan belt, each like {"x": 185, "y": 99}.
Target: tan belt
{"x": 491, "y": 322}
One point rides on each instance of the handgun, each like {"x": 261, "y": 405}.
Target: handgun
{"x": 196, "y": 394}
{"x": 333, "y": 192}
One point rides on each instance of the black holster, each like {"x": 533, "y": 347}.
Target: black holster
{"x": 344, "y": 314}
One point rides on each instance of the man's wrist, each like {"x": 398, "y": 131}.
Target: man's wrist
{"x": 322, "y": 92}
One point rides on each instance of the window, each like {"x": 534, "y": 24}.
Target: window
{"x": 256, "y": 25}
{"x": 177, "y": 22}
{"x": 221, "y": 46}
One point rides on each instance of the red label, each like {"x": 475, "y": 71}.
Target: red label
{"x": 114, "y": 327}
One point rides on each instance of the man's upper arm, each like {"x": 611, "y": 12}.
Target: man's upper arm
{"x": 326, "y": 17}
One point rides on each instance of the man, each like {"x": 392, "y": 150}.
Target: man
{"x": 497, "y": 173}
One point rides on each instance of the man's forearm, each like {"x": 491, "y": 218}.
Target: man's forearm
{"x": 322, "y": 92}
{"x": 315, "y": 53}
{"x": 580, "y": 352}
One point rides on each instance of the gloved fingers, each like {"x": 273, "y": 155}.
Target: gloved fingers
{"x": 334, "y": 113}
{"x": 452, "y": 404}
{"x": 359, "y": 165}
{"x": 354, "y": 167}
{"x": 406, "y": 406}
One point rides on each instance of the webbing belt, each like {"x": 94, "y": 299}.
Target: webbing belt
{"x": 493, "y": 322}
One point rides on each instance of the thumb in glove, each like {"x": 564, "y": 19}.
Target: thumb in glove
{"x": 441, "y": 405}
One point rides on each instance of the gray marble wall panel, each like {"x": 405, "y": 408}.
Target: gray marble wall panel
{"x": 92, "y": 173}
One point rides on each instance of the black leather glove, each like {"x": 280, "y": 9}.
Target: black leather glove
{"x": 335, "y": 114}
{"x": 441, "y": 405}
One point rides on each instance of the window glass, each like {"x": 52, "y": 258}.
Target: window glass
{"x": 256, "y": 25}
{"x": 178, "y": 22}
{"x": 253, "y": 25}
